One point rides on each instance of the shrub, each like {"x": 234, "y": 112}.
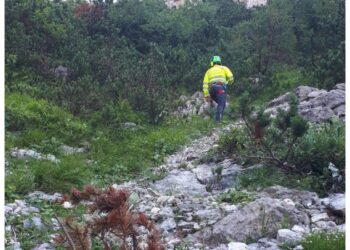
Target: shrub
{"x": 230, "y": 142}
{"x": 234, "y": 196}
{"x": 289, "y": 143}
{"x": 19, "y": 182}
{"x": 322, "y": 144}
{"x": 25, "y": 176}
{"x": 23, "y": 113}
{"x": 70, "y": 171}
{"x": 324, "y": 241}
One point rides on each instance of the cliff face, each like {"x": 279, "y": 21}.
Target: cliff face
{"x": 249, "y": 3}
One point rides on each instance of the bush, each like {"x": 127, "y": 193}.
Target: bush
{"x": 234, "y": 196}
{"x": 324, "y": 241}
{"x": 321, "y": 145}
{"x": 230, "y": 142}
{"x": 289, "y": 143}
{"x": 19, "y": 182}
{"x": 71, "y": 171}
{"x": 25, "y": 176}
{"x": 113, "y": 115}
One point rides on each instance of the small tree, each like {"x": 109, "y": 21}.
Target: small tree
{"x": 272, "y": 139}
{"x": 111, "y": 222}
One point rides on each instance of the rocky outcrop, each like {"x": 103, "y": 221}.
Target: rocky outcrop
{"x": 194, "y": 105}
{"x": 262, "y": 217}
{"x": 315, "y": 105}
{"x": 29, "y": 153}
{"x": 336, "y": 203}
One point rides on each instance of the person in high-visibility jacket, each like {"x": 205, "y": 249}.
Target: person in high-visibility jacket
{"x": 214, "y": 85}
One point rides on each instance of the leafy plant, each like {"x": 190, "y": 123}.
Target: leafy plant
{"x": 234, "y": 196}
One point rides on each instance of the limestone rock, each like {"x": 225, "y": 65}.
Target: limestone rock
{"x": 340, "y": 86}
{"x": 34, "y": 222}
{"x": 314, "y": 105}
{"x": 248, "y": 221}
{"x": 168, "y": 225}
{"x": 317, "y": 114}
{"x": 61, "y": 71}
{"x": 288, "y": 237}
{"x": 302, "y": 230}
{"x": 180, "y": 181}
{"x": 38, "y": 195}
{"x": 71, "y": 150}
{"x": 279, "y": 100}
{"x": 237, "y": 246}
{"x": 305, "y": 198}
{"x": 44, "y": 246}
{"x": 319, "y": 217}
{"x": 316, "y": 93}
{"x": 337, "y": 203}
{"x": 302, "y": 92}
{"x": 29, "y": 153}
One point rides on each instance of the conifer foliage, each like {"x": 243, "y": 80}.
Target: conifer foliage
{"x": 111, "y": 222}
{"x": 271, "y": 140}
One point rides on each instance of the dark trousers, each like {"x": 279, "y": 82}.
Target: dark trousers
{"x": 218, "y": 94}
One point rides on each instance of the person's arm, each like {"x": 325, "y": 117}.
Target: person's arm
{"x": 229, "y": 76}
{"x": 206, "y": 85}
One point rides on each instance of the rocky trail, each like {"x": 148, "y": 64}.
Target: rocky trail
{"x": 184, "y": 202}
{"x": 190, "y": 217}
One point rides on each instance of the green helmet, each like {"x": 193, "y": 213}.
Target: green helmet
{"x": 215, "y": 60}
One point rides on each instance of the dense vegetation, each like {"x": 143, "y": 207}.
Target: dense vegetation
{"x": 143, "y": 52}
{"x": 76, "y": 72}
{"x": 295, "y": 153}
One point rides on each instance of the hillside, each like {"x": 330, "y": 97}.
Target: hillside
{"x": 110, "y": 143}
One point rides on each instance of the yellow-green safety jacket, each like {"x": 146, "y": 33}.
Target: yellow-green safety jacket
{"x": 217, "y": 73}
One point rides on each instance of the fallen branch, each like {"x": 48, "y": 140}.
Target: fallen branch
{"x": 70, "y": 241}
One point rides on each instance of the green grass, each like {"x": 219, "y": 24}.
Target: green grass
{"x": 139, "y": 151}
{"x": 37, "y": 120}
{"x": 266, "y": 176}
{"x": 114, "y": 154}
{"x": 325, "y": 241}
{"x": 108, "y": 160}
{"x": 24, "y": 176}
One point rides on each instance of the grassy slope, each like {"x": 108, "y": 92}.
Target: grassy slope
{"x": 111, "y": 156}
